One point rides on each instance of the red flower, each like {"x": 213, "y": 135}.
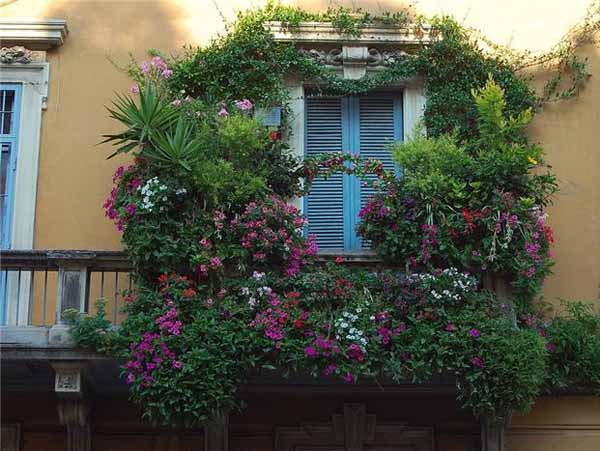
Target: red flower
{"x": 163, "y": 278}
{"x": 274, "y": 135}
{"x": 189, "y": 293}
{"x": 298, "y": 324}
{"x": 339, "y": 260}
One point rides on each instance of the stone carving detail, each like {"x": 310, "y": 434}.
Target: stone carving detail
{"x": 68, "y": 381}
{"x": 354, "y": 430}
{"x": 332, "y": 57}
{"x": 17, "y": 54}
{"x": 372, "y": 57}
{"x": 74, "y": 415}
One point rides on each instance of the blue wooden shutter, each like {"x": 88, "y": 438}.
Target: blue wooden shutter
{"x": 324, "y": 205}
{"x": 380, "y": 124}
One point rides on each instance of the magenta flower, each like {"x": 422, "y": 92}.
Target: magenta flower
{"x": 474, "y": 333}
{"x": 177, "y": 364}
{"x": 145, "y": 67}
{"x": 223, "y": 112}
{"x": 130, "y": 378}
{"x": 215, "y": 262}
{"x": 205, "y": 243}
{"x": 478, "y": 362}
{"x": 167, "y": 73}
{"x": 449, "y": 327}
{"x": 549, "y": 347}
{"x": 348, "y": 378}
{"x": 134, "y": 89}
{"x": 309, "y": 351}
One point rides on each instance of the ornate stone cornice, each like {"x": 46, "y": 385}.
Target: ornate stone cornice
{"x": 377, "y": 46}
{"x": 38, "y": 34}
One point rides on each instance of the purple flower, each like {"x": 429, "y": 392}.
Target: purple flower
{"x": 223, "y": 112}
{"x": 348, "y": 378}
{"x": 130, "y": 378}
{"x": 478, "y": 362}
{"x": 177, "y": 364}
{"x": 474, "y": 333}
{"x": 134, "y": 89}
{"x": 167, "y": 73}
{"x": 449, "y": 327}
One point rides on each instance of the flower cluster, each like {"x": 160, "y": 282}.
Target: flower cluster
{"x": 153, "y": 193}
{"x": 148, "y": 356}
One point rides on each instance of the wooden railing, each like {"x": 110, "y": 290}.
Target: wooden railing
{"x": 37, "y": 286}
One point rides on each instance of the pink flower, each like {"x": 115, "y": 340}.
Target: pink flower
{"x": 549, "y": 347}
{"x": 348, "y": 378}
{"x": 205, "y": 243}
{"x": 449, "y": 327}
{"x": 130, "y": 378}
{"x": 223, "y": 112}
{"x": 474, "y": 333}
{"x": 145, "y": 67}
{"x": 209, "y": 302}
{"x": 244, "y": 105}
{"x": 215, "y": 262}
{"x": 135, "y": 89}
{"x": 167, "y": 73}
{"x": 176, "y": 102}
{"x": 177, "y": 364}
{"x": 203, "y": 269}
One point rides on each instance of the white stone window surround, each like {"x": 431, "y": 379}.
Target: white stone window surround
{"x": 353, "y": 57}
{"x": 19, "y": 65}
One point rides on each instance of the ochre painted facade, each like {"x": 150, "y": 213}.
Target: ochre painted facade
{"x": 75, "y": 177}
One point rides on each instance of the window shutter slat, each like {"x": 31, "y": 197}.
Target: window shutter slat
{"x": 325, "y": 202}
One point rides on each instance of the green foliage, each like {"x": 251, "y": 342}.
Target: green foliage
{"x": 477, "y": 207}
{"x": 574, "y": 342}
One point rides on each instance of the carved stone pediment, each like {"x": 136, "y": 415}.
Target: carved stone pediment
{"x": 378, "y": 45}
{"x": 353, "y": 430}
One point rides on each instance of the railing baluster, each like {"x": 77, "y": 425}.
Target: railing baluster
{"x": 18, "y": 296}
{"x": 30, "y": 304}
{"x": 116, "y": 297}
{"x": 45, "y": 297}
{"x": 102, "y": 283}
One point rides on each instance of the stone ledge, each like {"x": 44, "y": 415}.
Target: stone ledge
{"x": 35, "y": 34}
{"x": 325, "y": 32}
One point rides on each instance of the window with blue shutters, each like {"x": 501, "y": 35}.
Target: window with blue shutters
{"x": 10, "y": 100}
{"x": 364, "y": 125}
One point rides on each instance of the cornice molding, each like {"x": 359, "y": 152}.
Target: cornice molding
{"x": 377, "y": 46}
{"x": 35, "y": 34}
{"x": 372, "y": 34}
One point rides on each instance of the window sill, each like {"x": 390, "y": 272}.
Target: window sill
{"x": 365, "y": 256}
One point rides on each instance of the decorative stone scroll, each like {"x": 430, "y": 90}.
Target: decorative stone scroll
{"x": 354, "y": 59}
{"x": 16, "y": 54}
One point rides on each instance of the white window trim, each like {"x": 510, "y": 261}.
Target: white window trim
{"x": 33, "y": 77}
{"x": 413, "y": 104}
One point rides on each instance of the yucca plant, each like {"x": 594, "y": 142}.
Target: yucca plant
{"x": 141, "y": 121}
{"x": 175, "y": 147}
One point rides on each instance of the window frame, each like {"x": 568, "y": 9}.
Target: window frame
{"x": 413, "y": 104}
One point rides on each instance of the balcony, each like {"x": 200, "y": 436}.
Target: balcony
{"x": 39, "y": 285}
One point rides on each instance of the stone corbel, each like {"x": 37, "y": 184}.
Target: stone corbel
{"x": 73, "y": 409}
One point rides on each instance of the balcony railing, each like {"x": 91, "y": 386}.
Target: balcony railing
{"x": 37, "y": 286}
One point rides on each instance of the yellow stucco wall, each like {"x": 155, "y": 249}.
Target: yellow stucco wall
{"x": 75, "y": 177}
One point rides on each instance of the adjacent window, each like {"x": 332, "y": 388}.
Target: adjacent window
{"x": 10, "y": 100}
{"x": 364, "y": 125}
{"x": 10, "y": 96}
